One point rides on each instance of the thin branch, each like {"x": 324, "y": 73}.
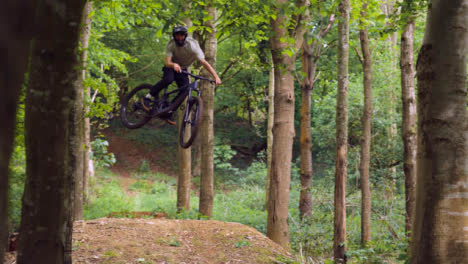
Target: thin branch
{"x": 232, "y": 63}
{"x": 316, "y": 78}
{"x": 324, "y": 31}
{"x": 139, "y": 70}
{"x": 358, "y": 53}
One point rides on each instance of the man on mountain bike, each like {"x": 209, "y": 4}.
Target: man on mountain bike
{"x": 181, "y": 52}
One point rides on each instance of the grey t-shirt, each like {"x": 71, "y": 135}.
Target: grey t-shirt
{"x": 185, "y": 55}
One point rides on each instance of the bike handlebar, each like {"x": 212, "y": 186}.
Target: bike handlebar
{"x": 198, "y": 77}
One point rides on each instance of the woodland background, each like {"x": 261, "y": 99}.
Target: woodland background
{"x": 364, "y": 110}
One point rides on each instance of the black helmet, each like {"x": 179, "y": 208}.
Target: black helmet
{"x": 179, "y": 30}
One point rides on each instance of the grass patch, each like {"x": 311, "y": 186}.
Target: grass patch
{"x": 106, "y": 197}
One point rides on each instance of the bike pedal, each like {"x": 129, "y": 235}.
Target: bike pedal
{"x": 170, "y": 122}
{"x": 145, "y": 107}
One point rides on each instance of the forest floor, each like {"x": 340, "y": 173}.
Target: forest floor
{"x": 151, "y": 238}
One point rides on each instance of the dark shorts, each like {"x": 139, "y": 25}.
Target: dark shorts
{"x": 169, "y": 76}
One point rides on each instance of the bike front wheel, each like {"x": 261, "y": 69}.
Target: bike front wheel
{"x": 136, "y": 107}
{"x": 192, "y": 119}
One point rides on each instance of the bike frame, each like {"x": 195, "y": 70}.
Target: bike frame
{"x": 185, "y": 92}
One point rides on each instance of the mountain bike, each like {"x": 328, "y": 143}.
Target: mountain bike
{"x": 138, "y": 108}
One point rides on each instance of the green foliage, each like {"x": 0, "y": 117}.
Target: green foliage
{"x": 140, "y": 185}
{"x": 314, "y": 236}
{"x": 106, "y": 197}
{"x": 222, "y": 157}
{"x": 17, "y": 179}
{"x": 246, "y": 206}
{"x": 242, "y": 243}
{"x": 144, "y": 167}
{"x": 17, "y": 166}
{"x": 100, "y": 155}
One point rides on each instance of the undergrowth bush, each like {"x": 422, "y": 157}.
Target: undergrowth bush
{"x": 106, "y": 197}
{"x": 16, "y": 184}
{"x": 100, "y": 155}
{"x": 245, "y": 206}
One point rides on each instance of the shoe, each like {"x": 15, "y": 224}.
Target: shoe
{"x": 170, "y": 120}
{"x": 146, "y": 102}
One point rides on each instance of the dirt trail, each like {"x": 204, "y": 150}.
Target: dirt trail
{"x": 130, "y": 155}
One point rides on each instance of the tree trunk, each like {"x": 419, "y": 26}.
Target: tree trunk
{"x": 185, "y": 174}
{"x": 392, "y": 129}
{"x": 440, "y": 228}
{"x": 82, "y": 164}
{"x": 305, "y": 199}
{"x": 283, "y": 134}
{"x": 409, "y": 125}
{"x": 185, "y": 155}
{"x": 196, "y": 157}
{"x": 51, "y": 160}
{"x": 341, "y": 134}
{"x": 16, "y": 23}
{"x": 283, "y": 128}
{"x": 310, "y": 56}
{"x": 271, "y": 115}
{"x": 207, "y": 133}
{"x": 86, "y": 122}
{"x": 366, "y": 132}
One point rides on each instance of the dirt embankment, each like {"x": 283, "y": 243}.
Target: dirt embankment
{"x": 111, "y": 240}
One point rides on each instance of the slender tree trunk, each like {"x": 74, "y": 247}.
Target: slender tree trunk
{"x": 283, "y": 128}
{"x": 441, "y": 218}
{"x": 305, "y": 199}
{"x": 392, "y": 129}
{"x": 185, "y": 174}
{"x": 341, "y": 134}
{"x": 207, "y": 133}
{"x": 196, "y": 157}
{"x": 271, "y": 115}
{"x": 308, "y": 68}
{"x": 366, "y": 133}
{"x": 82, "y": 164}
{"x": 409, "y": 125}
{"x": 86, "y": 124}
{"x": 185, "y": 155}
{"x": 46, "y": 223}
{"x": 196, "y": 146}
{"x": 310, "y": 56}
{"x": 16, "y": 23}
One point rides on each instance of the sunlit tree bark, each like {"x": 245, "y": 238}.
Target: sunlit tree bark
{"x": 409, "y": 125}
{"x": 185, "y": 156}
{"x": 310, "y": 56}
{"x": 82, "y": 170}
{"x": 341, "y": 171}
{"x": 441, "y": 218}
{"x": 87, "y": 18}
{"x": 271, "y": 116}
{"x": 207, "y": 132}
{"x": 366, "y": 62}
{"x": 283, "y": 128}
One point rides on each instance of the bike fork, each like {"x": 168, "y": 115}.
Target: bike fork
{"x": 187, "y": 108}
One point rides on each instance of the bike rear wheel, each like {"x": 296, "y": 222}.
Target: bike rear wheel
{"x": 189, "y": 126}
{"x": 134, "y": 111}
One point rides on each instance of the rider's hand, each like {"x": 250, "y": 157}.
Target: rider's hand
{"x": 177, "y": 67}
{"x": 218, "y": 81}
